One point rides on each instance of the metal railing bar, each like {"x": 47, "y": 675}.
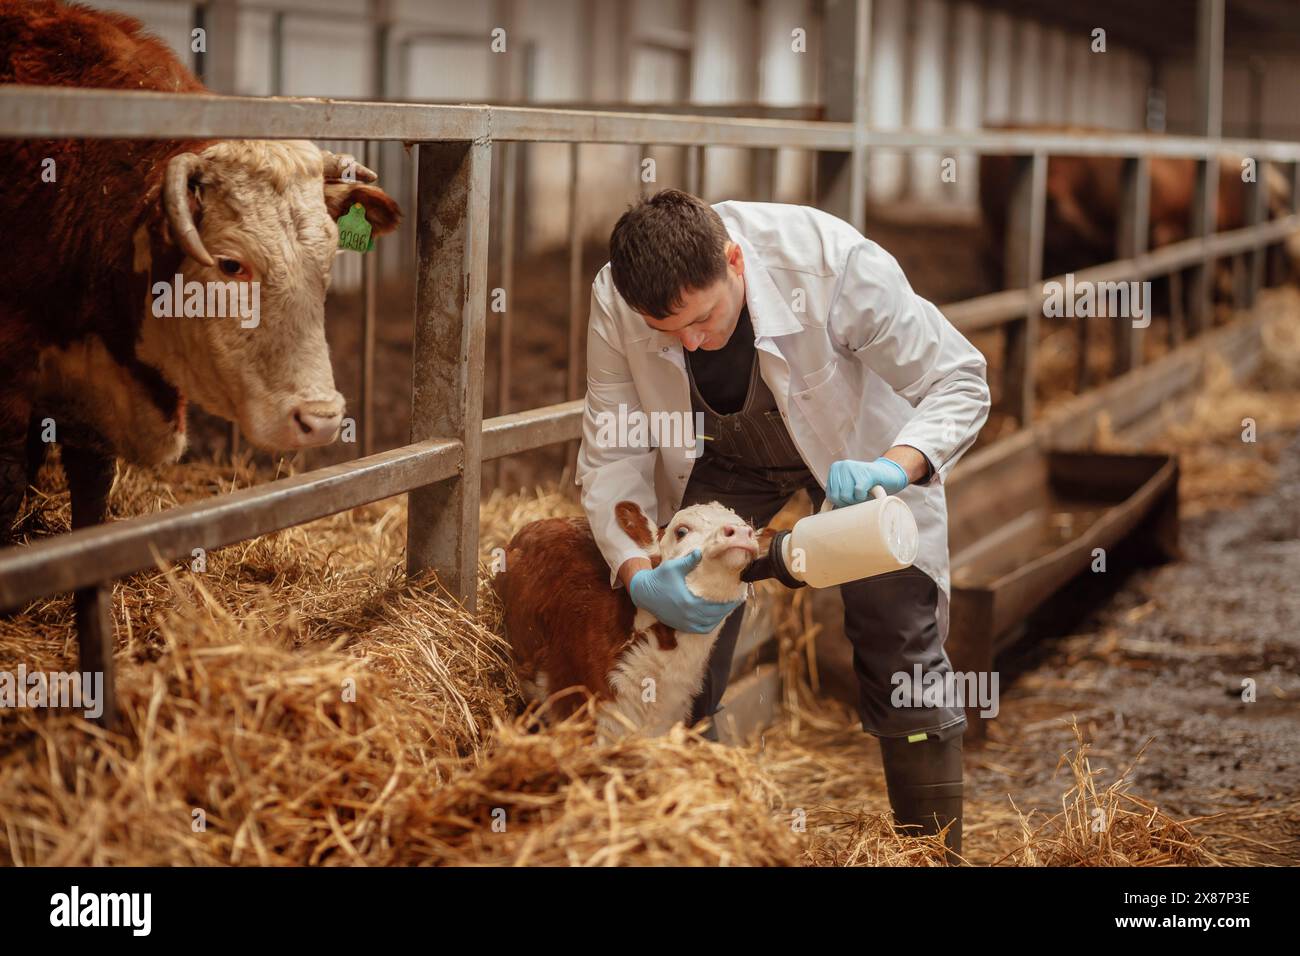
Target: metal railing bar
{"x": 527, "y": 431}
{"x": 92, "y": 556}
{"x": 997, "y": 308}
{"x": 35, "y": 112}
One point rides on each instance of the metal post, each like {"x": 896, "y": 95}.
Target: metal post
{"x": 1256, "y": 212}
{"x": 577, "y": 294}
{"x": 451, "y": 229}
{"x": 509, "y": 194}
{"x": 370, "y": 270}
{"x": 1200, "y": 277}
{"x": 763, "y": 173}
{"x": 92, "y": 609}
{"x": 1209, "y": 67}
{"x": 1131, "y": 243}
{"x": 370, "y": 290}
{"x": 1024, "y": 269}
{"x": 841, "y": 179}
{"x": 1209, "y": 122}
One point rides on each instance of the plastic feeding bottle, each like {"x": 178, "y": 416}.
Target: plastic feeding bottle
{"x": 843, "y": 544}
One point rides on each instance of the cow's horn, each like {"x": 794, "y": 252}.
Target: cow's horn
{"x": 176, "y": 202}
{"x": 337, "y": 163}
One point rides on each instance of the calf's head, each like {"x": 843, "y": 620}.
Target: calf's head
{"x": 257, "y": 220}
{"x": 726, "y": 542}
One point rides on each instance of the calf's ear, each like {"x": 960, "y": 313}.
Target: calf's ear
{"x": 634, "y": 523}
{"x": 382, "y": 212}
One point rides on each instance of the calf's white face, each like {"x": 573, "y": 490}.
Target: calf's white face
{"x": 258, "y": 218}
{"x": 726, "y": 542}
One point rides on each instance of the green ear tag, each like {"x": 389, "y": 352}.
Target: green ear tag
{"x": 354, "y": 231}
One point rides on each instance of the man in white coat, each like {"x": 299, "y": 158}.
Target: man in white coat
{"x": 801, "y": 352}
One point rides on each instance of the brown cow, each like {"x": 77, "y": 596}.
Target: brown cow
{"x": 129, "y": 260}
{"x": 1083, "y": 202}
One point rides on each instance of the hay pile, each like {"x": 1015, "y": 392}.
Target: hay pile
{"x": 299, "y": 703}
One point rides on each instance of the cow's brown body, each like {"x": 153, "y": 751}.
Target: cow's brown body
{"x": 70, "y": 242}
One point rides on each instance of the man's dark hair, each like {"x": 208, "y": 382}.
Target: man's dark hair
{"x": 664, "y": 246}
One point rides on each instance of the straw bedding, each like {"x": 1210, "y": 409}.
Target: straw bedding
{"x": 299, "y": 702}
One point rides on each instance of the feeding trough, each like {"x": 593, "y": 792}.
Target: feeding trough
{"x": 1025, "y": 529}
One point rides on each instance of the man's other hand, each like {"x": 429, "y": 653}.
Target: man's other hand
{"x": 850, "y": 482}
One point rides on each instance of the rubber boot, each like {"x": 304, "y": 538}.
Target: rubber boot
{"x": 924, "y": 778}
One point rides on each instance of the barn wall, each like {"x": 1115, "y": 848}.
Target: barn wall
{"x": 1273, "y": 116}
{"x": 996, "y": 68}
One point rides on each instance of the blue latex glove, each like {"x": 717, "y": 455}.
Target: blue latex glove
{"x": 850, "y": 482}
{"x": 663, "y": 592}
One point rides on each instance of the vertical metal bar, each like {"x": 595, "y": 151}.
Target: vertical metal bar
{"x": 643, "y": 153}
{"x": 370, "y": 263}
{"x": 447, "y": 391}
{"x": 370, "y": 290}
{"x": 840, "y": 179}
{"x": 572, "y": 379}
{"x": 277, "y": 53}
{"x": 1178, "y": 283}
{"x": 92, "y": 609}
{"x": 1209, "y": 122}
{"x": 1256, "y": 212}
{"x": 1024, "y": 269}
{"x": 509, "y": 193}
{"x": 700, "y": 174}
{"x": 1200, "y": 282}
{"x": 763, "y": 173}
{"x": 199, "y": 61}
{"x": 691, "y": 161}
{"x": 1209, "y": 67}
{"x": 861, "y": 105}
{"x": 1131, "y": 243}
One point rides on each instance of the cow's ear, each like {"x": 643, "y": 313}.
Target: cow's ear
{"x": 634, "y": 523}
{"x": 382, "y": 212}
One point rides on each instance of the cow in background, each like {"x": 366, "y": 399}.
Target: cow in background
{"x": 95, "y": 225}
{"x": 1084, "y": 197}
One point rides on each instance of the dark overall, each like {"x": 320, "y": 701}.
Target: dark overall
{"x": 751, "y": 464}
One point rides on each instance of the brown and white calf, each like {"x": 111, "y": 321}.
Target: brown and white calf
{"x": 568, "y": 628}
{"x": 99, "y": 228}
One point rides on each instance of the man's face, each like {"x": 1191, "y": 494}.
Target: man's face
{"x": 707, "y": 317}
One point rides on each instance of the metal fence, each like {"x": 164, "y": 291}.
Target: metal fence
{"x": 440, "y": 468}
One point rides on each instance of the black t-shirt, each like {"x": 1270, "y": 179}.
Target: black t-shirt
{"x": 722, "y": 376}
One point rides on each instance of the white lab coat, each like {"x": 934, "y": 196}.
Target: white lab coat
{"x": 856, "y": 361}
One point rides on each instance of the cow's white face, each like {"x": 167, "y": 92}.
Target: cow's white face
{"x": 265, "y": 219}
